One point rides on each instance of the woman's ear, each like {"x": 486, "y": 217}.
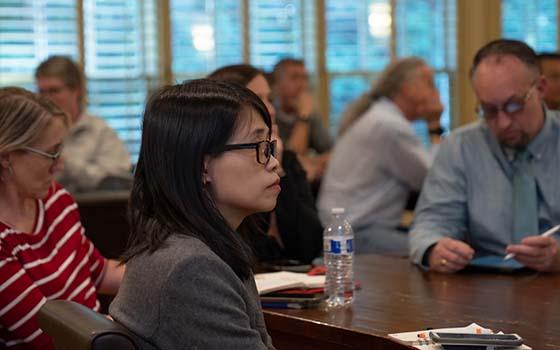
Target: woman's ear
{"x": 541, "y": 85}
{"x": 5, "y": 160}
{"x": 5, "y": 166}
{"x": 205, "y": 174}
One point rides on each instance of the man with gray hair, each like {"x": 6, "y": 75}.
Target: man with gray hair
{"x": 378, "y": 160}
{"x": 494, "y": 185}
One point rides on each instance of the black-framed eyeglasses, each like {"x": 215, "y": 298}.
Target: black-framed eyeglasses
{"x": 264, "y": 149}
{"x": 52, "y": 156}
{"x": 513, "y": 106}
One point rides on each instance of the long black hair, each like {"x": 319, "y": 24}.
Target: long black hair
{"x": 182, "y": 125}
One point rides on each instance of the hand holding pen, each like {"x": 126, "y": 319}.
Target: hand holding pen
{"x": 537, "y": 252}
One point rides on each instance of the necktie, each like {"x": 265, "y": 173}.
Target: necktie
{"x": 525, "y": 209}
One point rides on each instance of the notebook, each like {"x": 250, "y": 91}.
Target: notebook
{"x": 273, "y": 281}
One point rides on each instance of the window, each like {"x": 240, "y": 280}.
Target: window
{"x": 360, "y": 43}
{"x": 116, "y": 36}
{"x": 202, "y": 40}
{"x": 115, "y": 63}
{"x": 275, "y": 30}
{"x": 119, "y": 42}
{"x": 534, "y": 22}
{"x": 29, "y": 32}
{"x": 427, "y": 29}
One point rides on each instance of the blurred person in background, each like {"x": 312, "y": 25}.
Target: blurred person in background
{"x": 378, "y": 159}
{"x": 95, "y": 157}
{"x": 300, "y": 127}
{"x": 549, "y": 63}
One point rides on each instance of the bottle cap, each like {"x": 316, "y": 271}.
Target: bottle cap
{"x": 337, "y": 211}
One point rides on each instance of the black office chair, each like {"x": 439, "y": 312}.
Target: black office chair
{"x": 76, "y": 327}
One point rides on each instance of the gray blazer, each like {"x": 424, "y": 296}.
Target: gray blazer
{"x": 183, "y": 296}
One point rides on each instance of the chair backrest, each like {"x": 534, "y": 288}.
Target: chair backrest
{"x": 104, "y": 217}
{"x": 76, "y": 327}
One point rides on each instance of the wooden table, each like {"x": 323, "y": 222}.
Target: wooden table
{"x": 397, "y": 296}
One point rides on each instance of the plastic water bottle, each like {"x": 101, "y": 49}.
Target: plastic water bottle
{"x": 338, "y": 247}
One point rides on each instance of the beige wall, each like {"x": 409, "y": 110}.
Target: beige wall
{"x": 478, "y": 21}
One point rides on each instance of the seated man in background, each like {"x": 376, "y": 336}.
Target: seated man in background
{"x": 494, "y": 184}
{"x": 549, "y": 64}
{"x": 93, "y": 152}
{"x": 379, "y": 159}
{"x": 301, "y": 129}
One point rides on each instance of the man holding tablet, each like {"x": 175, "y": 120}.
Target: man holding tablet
{"x": 494, "y": 185}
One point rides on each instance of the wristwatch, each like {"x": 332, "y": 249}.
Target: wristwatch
{"x": 436, "y": 131}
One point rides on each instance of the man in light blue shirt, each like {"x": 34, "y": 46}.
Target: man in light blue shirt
{"x": 468, "y": 204}
{"x": 378, "y": 161}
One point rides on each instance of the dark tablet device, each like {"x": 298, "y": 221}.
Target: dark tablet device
{"x": 494, "y": 263}
{"x": 469, "y": 339}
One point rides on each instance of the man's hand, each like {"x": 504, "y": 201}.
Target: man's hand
{"x": 304, "y": 105}
{"x": 537, "y": 252}
{"x": 450, "y": 255}
{"x": 431, "y": 108}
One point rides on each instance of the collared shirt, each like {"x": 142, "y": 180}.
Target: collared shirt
{"x": 92, "y": 152}
{"x": 468, "y": 194}
{"x": 374, "y": 166}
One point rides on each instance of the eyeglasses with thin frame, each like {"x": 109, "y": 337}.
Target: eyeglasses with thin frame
{"x": 264, "y": 149}
{"x": 511, "y": 107}
{"x": 51, "y": 156}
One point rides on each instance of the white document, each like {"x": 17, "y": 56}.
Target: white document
{"x": 421, "y": 340}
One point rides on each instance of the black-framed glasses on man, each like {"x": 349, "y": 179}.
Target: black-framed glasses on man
{"x": 264, "y": 149}
{"x": 52, "y": 156}
{"x": 514, "y": 105}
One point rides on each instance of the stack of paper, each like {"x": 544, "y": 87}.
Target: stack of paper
{"x": 270, "y": 282}
{"x": 420, "y": 340}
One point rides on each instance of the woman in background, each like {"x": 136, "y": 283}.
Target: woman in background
{"x": 206, "y": 163}
{"x": 44, "y": 253}
{"x": 293, "y": 229}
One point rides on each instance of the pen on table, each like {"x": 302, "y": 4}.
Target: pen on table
{"x": 281, "y": 305}
{"x": 547, "y": 233}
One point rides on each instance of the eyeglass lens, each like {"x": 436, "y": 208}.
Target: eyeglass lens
{"x": 266, "y": 150}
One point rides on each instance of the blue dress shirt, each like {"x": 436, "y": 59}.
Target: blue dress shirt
{"x": 468, "y": 193}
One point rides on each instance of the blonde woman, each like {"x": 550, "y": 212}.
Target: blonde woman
{"x": 44, "y": 253}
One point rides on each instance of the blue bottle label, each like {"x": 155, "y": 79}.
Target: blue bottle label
{"x": 340, "y": 246}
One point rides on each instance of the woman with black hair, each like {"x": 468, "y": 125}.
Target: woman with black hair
{"x": 293, "y": 230}
{"x": 206, "y": 163}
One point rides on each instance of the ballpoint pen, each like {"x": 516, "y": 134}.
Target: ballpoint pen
{"x": 547, "y": 233}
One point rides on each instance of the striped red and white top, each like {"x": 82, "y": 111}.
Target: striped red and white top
{"x": 55, "y": 261}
